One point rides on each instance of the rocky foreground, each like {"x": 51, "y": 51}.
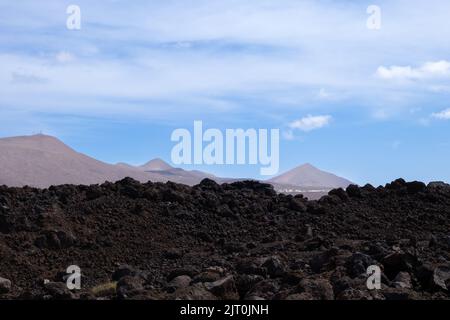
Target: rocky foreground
{"x": 231, "y": 241}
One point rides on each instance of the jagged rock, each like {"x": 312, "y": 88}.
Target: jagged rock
{"x": 123, "y": 271}
{"x": 186, "y": 271}
{"x": 416, "y": 186}
{"x": 353, "y": 191}
{"x": 209, "y": 184}
{"x": 316, "y": 243}
{"x": 275, "y": 266}
{"x": 245, "y": 282}
{"x": 441, "y": 277}
{"x": 172, "y": 254}
{"x": 5, "y": 285}
{"x": 438, "y": 184}
{"x": 59, "y": 291}
{"x": 424, "y": 274}
{"x": 298, "y": 205}
{"x": 403, "y": 280}
{"x": 178, "y": 282}
{"x": 397, "y": 262}
{"x": 340, "y": 193}
{"x": 341, "y": 283}
{"x": 275, "y": 246}
{"x": 396, "y": 185}
{"x": 129, "y": 286}
{"x": 265, "y": 289}
{"x": 224, "y": 288}
{"x": 320, "y": 261}
{"x": 207, "y": 276}
{"x": 250, "y": 266}
{"x": 55, "y": 240}
{"x": 399, "y": 294}
{"x": 316, "y": 289}
{"x": 195, "y": 292}
{"x": 358, "y": 263}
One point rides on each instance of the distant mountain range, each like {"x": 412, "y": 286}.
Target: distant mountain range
{"x": 42, "y": 161}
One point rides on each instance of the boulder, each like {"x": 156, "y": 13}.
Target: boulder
{"x": 250, "y": 266}
{"x": 172, "y": 254}
{"x": 123, "y": 271}
{"x": 185, "y": 271}
{"x": 358, "y": 263}
{"x": 207, "y": 276}
{"x": 403, "y": 280}
{"x": 441, "y": 277}
{"x": 224, "y": 288}
{"x": 5, "y": 285}
{"x": 274, "y": 266}
{"x": 245, "y": 282}
{"x": 195, "y": 292}
{"x": 316, "y": 289}
{"x": 59, "y": 291}
{"x": 178, "y": 282}
{"x": 129, "y": 286}
{"x": 340, "y": 193}
{"x": 265, "y": 289}
{"x": 416, "y": 186}
{"x": 353, "y": 191}
{"x": 397, "y": 262}
{"x": 322, "y": 260}
{"x": 399, "y": 294}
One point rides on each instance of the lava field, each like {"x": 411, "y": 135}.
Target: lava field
{"x": 238, "y": 241}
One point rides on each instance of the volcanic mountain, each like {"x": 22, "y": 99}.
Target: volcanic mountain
{"x": 42, "y": 161}
{"x": 156, "y": 165}
{"x": 308, "y": 176}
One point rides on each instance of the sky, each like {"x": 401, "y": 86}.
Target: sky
{"x": 371, "y": 105}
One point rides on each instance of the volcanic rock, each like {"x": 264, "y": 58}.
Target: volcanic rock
{"x": 5, "y": 285}
{"x": 159, "y": 240}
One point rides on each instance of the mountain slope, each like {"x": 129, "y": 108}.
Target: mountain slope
{"x": 179, "y": 175}
{"x": 309, "y": 176}
{"x": 41, "y": 161}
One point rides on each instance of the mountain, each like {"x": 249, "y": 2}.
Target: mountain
{"x": 179, "y": 175}
{"x": 309, "y": 177}
{"x": 156, "y": 165}
{"x": 41, "y": 161}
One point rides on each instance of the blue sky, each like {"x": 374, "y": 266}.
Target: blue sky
{"x": 371, "y": 105}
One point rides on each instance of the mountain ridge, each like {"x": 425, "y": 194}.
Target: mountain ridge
{"x": 42, "y": 160}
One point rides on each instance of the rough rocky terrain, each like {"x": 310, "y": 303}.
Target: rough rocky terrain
{"x": 230, "y": 241}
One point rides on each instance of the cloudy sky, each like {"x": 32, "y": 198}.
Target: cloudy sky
{"x": 371, "y": 105}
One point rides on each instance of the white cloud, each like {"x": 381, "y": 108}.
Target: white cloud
{"x": 443, "y": 115}
{"x": 177, "y": 50}
{"x": 310, "y": 123}
{"x": 427, "y": 70}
